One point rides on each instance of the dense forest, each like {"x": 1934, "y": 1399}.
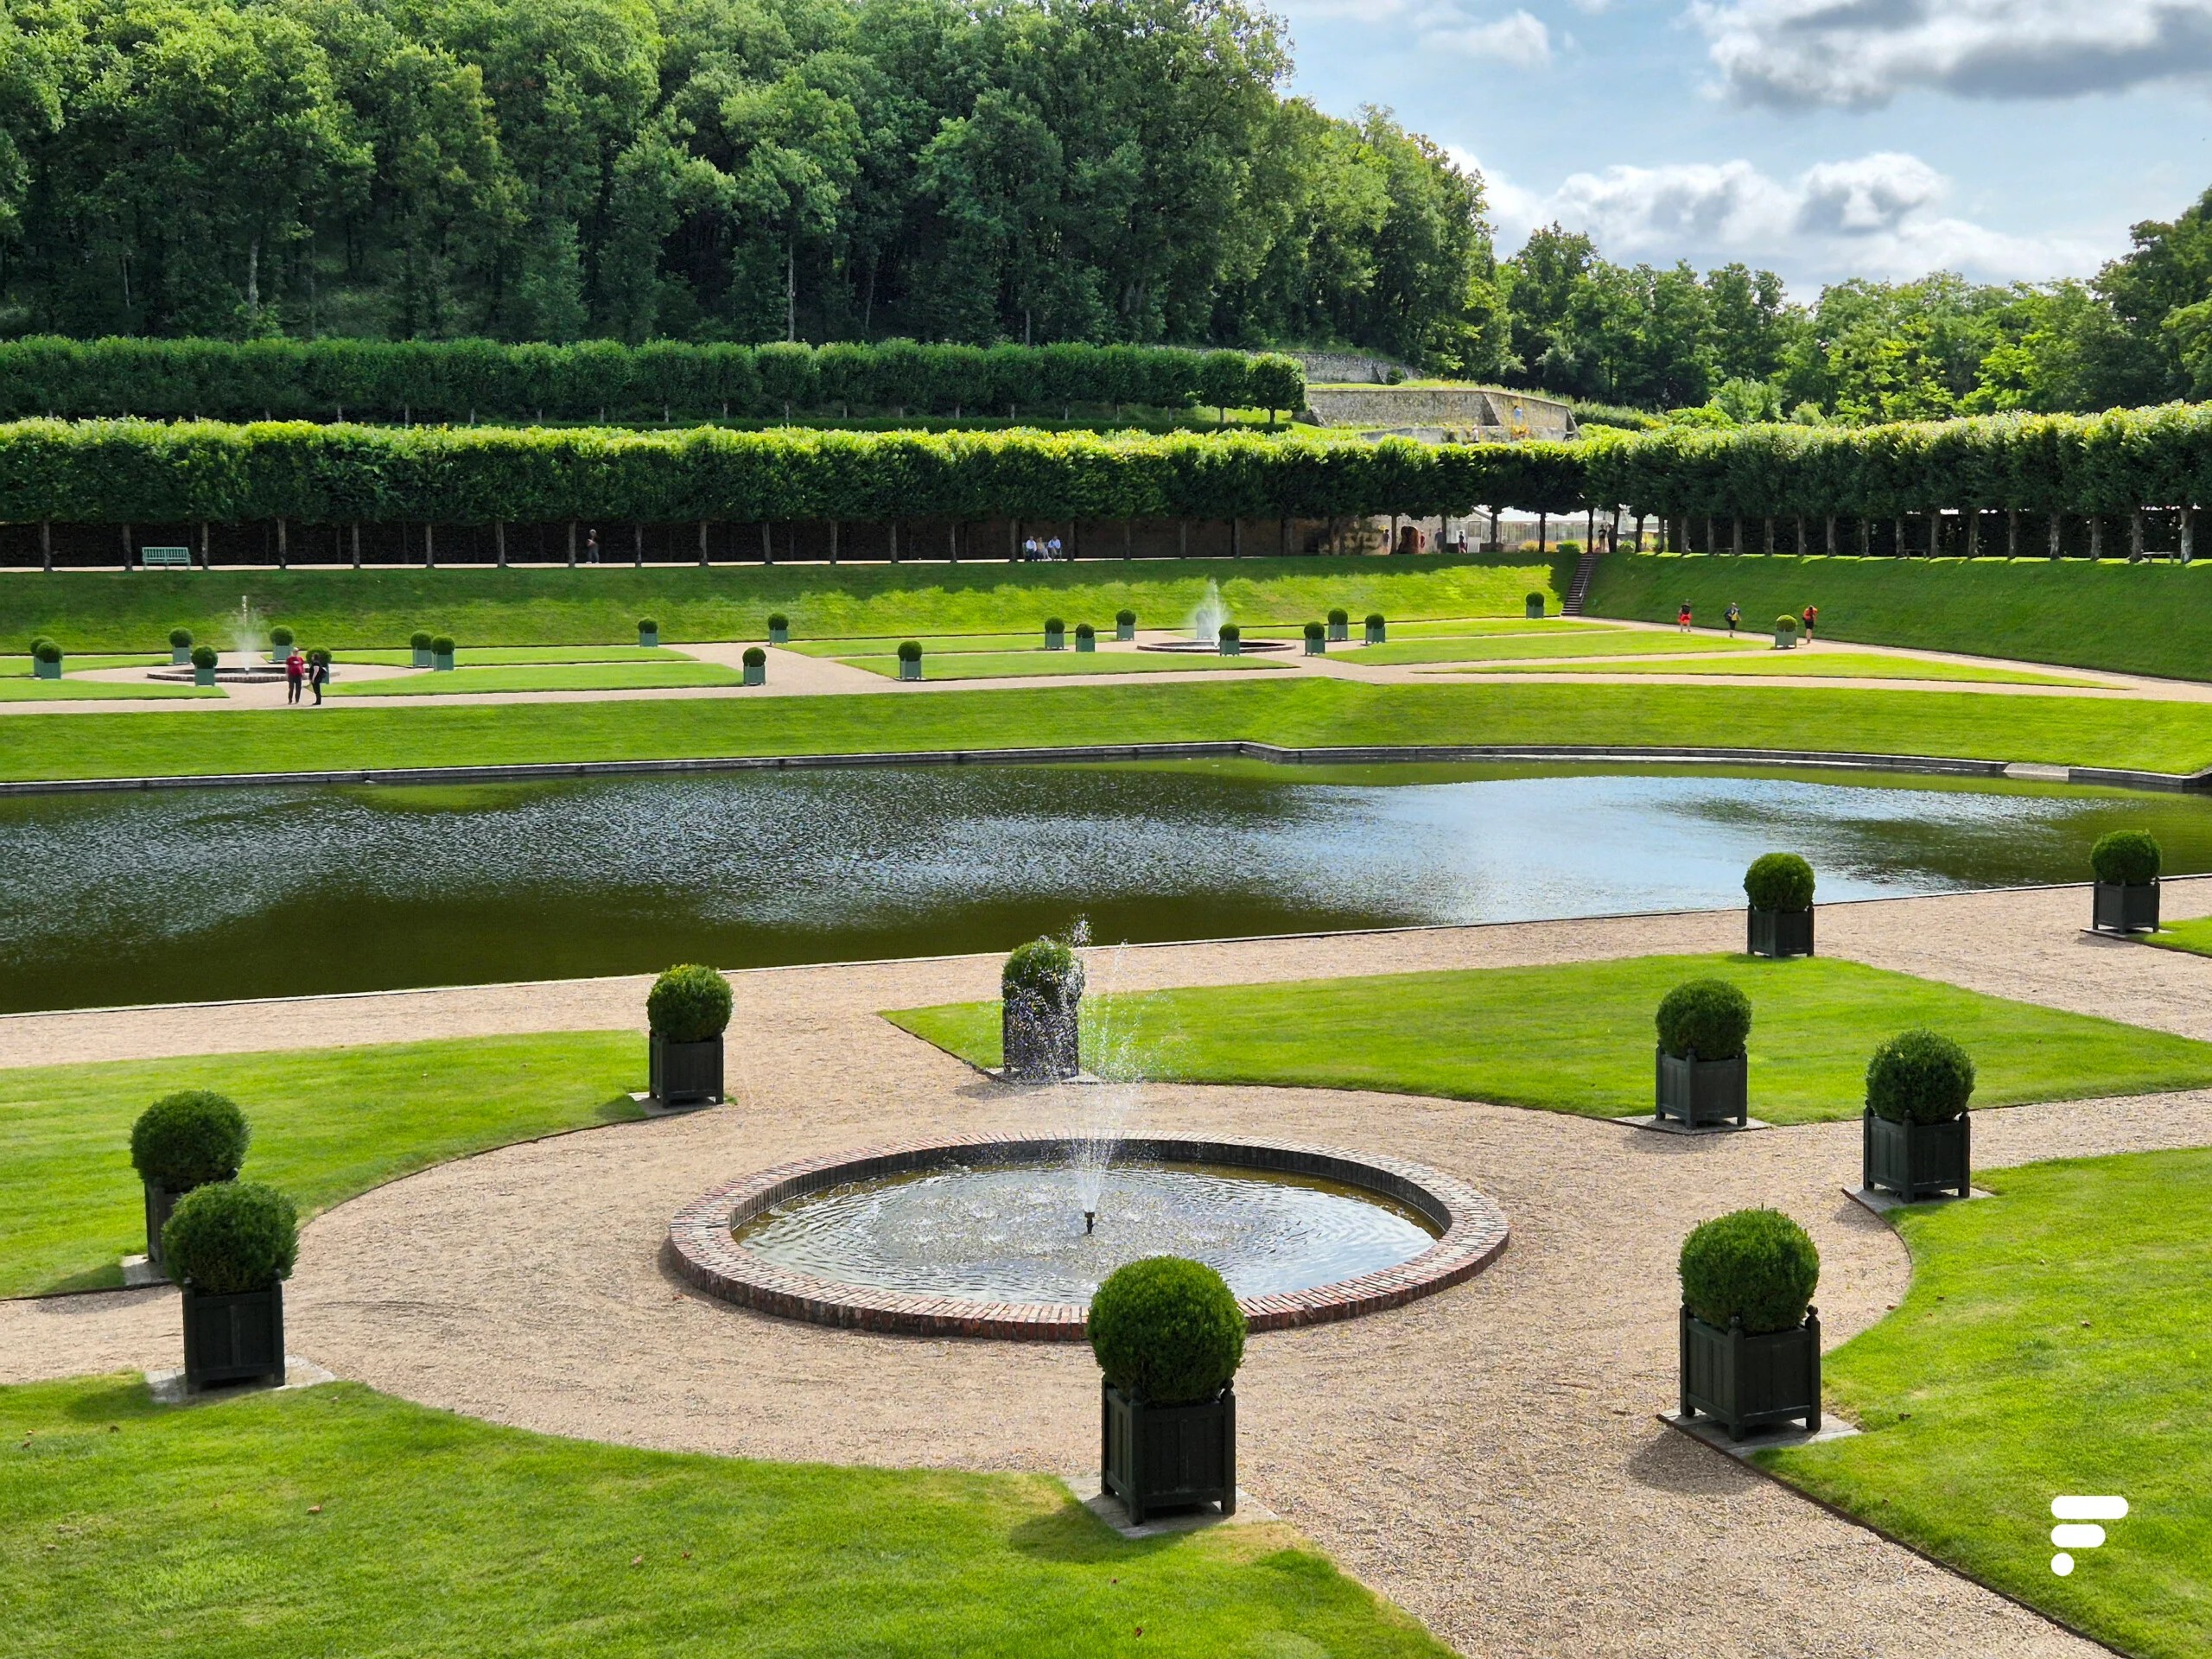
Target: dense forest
{"x": 1105, "y": 171}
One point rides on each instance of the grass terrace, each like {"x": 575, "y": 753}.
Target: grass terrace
{"x": 1608, "y": 642}
{"x": 1578, "y": 1038}
{"x": 1036, "y": 662}
{"x": 1820, "y": 665}
{"x": 624, "y": 676}
{"x": 339, "y": 1520}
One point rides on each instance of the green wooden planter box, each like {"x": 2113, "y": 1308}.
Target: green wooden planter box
{"x": 1055, "y": 640}
{"x": 1339, "y": 632}
{"x": 1749, "y": 1381}
{"x": 1917, "y": 1160}
{"x": 1229, "y": 647}
{"x": 1168, "y": 1456}
{"x": 1779, "y": 932}
{"x": 236, "y": 1339}
{"x": 1378, "y": 635}
{"x": 1785, "y": 642}
{"x": 2119, "y": 907}
{"x": 160, "y": 1205}
{"x": 1317, "y": 647}
{"x": 649, "y": 638}
{"x": 442, "y": 661}
{"x": 1039, "y": 1043}
{"x": 422, "y": 657}
{"x": 1086, "y": 642}
{"x": 909, "y": 671}
{"x": 779, "y": 636}
{"x": 1533, "y": 608}
{"x": 756, "y": 674}
{"x": 203, "y": 675}
{"x": 685, "y": 1074}
{"x": 40, "y": 670}
{"x": 180, "y": 656}
{"x": 1125, "y": 631}
{"x": 1695, "y": 1092}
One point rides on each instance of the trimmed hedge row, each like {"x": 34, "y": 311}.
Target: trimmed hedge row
{"x": 472, "y": 379}
{"x": 143, "y": 471}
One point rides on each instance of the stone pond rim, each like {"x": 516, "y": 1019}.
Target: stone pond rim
{"x": 701, "y": 1248}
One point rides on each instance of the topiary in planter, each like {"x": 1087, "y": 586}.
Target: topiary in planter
{"x": 45, "y": 651}
{"x": 1340, "y": 615}
{"x": 1377, "y": 633}
{"x": 1040, "y": 991}
{"x": 1708, "y": 1018}
{"x": 2128, "y": 858}
{"x": 1339, "y": 624}
{"x": 1919, "y": 1076}
{"x": 1125, "y": 618}
{"x": 180, "y": 636}
{"x": 1086, "y": 636}
{"x": 910, "y": 659}
{"x": 1317, "y": 639}
{"x": 1785, "y": 625}
{"x": 1229, "y": 642}
{"x": 419, "y": 640}
{"x": 1532, "y": 604}
{"x": 687, "y": 1009}
{"x": 1755, "y": 1265}
{"x": 756, "y": 665}
{"x": 1167, "y": 1330}
{"x": 689, "y": 1003}
{"x": 188, "y": 1138}
{"x": 230, "y": 1238}
{"x": 648, "y": 631}
{"x": 780, "y": 628}
{"x": 280, "y": 638}
{"x": 1779, "y": 881}
{"x": 180, "y": 646}
{"x": 203, "y": 665}
{"x": 442, "y": 645}
{"x": 1055, "y": 633}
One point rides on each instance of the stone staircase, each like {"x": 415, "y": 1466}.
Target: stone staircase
{"x": 1577, "y": 588}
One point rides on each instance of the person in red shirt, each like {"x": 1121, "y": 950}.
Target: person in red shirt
{"x": 1812, "y": 612}
{"x": 295, "y": 673}
{"x": 1683, "y": 617}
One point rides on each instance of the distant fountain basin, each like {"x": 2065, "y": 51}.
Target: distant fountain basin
{"x": 1205, "y": 623}
{"x": 986, "y": 1238}
{"x": 247, "y": 673}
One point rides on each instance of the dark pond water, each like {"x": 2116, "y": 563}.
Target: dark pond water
{"x": 206, "y": 894}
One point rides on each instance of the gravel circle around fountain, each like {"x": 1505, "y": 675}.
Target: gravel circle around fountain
{"x": 702, "y": 1247}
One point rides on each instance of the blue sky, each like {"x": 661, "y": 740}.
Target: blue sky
{"x": 1821, "y": 138}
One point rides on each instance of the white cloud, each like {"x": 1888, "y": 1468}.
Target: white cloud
{"x": 1521, "y": 39}
{"x": 1877, "y": 215}
{"x": 1863, "y": 53}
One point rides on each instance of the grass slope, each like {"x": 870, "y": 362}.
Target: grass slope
{"x": 600, "y": 605}
{"x": 2052, "y": 1342}
{"x": 1298, "y": 712}
{"x": 1578, "y": 1038}
{"x": 483, "y": 656}
{"x": 1038, "y": 662}
{"x": 341, "y": 1523}
{"x": 327, "y": 1123}
{"x": 551, "y": 676}
{"x": 1607, "y": 643}
{"x": 1823, "y": 664}
{"x": 2145, "y": 618}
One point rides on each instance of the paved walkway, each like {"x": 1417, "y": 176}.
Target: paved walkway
{"x": 794, "y": 674}
{"x": 1487, "y": 1456}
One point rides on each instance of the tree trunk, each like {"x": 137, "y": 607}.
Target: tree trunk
{"x": 1973, "y": 532}
{"x": 572, "y": 543}
{"x": 429, "y": 547}
{"x": 2135, "y": 536}
{"x": 894, "y": 541}
{"x": 1128, "y": 537}
{"x": 206, "y": 561}
{"x": 1182, "y": 538}
{"x": 2188, "y": 534}
{"x": 2011, "y": 532}
{"x": 767, "y": 552}
{"x": 357, "y": 544}
{"x": 284, "y": 552}
{"x": 2096, "y": 536}
{"x": 2056, "y": 531}
{"x": 833, "y": 544}
{"x": 791, "y": 294}
{"x": 46, "y": 545}
{"x": 499, "y": 543}
{"x": 702, "y": 543}
{"x": 637, "y": 545}
{"x": 126, "y": 548}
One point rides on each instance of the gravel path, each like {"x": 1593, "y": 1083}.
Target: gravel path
{"x": 1487, "y": 1456}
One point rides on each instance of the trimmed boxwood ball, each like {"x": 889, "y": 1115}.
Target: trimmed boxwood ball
{"x": 777, "y": 619}
{"x": 1758, "y": 1264}
{"x": 1053, "y": 625}
{"x": 1785, "y": 625}
{"x": 203, "y": 657}
{"x": 1127, "y": 618}
{"x": 647, "y": 625}
{"x": 755, "y": 657}
{"x": 1315, "y": 630}
{"x": 420, "y": 639}
{"x": 46, "y": 650}
{"x": 689, "y": 1003}
{"x": 230, "y": 1238}
{"x": 1047, "y": 969}
{"x": 2128, "y": 857}
{"x": 1231, "y": 631}
{"x": 180, "y": 638}
{"x": 910, "y": 650}
{"x": 1085, "y": 630}
{"x": 1709, "y": 1017}
{"x": 1167, "y": 1330}
{"x": 188, "y": 1138}
{"x": 442, "y": 645}
{"x": 280, "y": 637}
{"x": 1920, "y": 1076}
{"x": 1375, "y": 618}
{"x": 318, "y": 656}
{"x": 1339, "y": 617}
{"x": 1779, "y": 881}
{"x": 1532, "y": 597}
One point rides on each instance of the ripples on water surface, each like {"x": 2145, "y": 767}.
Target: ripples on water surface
{"x": 1015, "y": 1233}
{"x": 196, "y": 894}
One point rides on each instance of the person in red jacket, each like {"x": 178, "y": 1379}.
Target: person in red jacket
{"x": 1812, "y": 613}
{"x": 1683, "y": 617}
{"x": 295, "y": 674}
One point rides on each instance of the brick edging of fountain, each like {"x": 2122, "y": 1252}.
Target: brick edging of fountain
{"x": 701, "y": 1250}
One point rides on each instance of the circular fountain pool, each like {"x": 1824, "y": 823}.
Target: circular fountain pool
{"x": 989, "y": 1238}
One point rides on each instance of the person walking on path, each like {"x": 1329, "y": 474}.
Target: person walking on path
{"x": 1812, "y": 613}
{"x": 1683, "y": 618}
{"x": 295, "y": 672}
{"x": 318, "y": 676}
{"x": 1735, "y": 615}
{"x": 591, "y": 547}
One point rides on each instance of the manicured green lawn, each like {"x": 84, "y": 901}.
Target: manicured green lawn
{"x": 1456, "y": 627}
{"x": 1828, "y": 664}
{"x": 600, "y": 605}
{"x": 23, "y": 689}
{"x": 327, "y": 1123}
{"x": 2193, "y": 937}
{"x": 1578, "y": 1038}
{"x": 2053, "y": 1343}
{"x": 573, "y": 677}
{"x": 1022, "y": 664}
{"x": 1610, "y": 642}
{"x": 74, "y": 663}
{"x": 1294, "y": 710}
{"x": 2147, "y": 619}
{"x": 486, "y": 655}
{"x": 877, "y": 646}
{"x": 344, "y": 1523}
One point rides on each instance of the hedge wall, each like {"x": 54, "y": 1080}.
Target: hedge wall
{"x": 595, "y": 380}
{"x": 141, "y": 472}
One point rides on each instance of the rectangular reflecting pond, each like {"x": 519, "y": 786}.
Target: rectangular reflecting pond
{"x": 200, "y": 894}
